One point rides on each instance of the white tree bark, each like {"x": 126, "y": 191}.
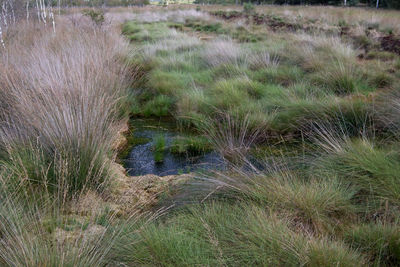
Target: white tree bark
{"x": 51, "y": 16}
{"x": 37, "y": 9}
{"x": 1, "y": 38}
{"x": 27, "y": 11}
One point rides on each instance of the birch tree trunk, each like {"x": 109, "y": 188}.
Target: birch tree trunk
{"x": 27, "y": 11}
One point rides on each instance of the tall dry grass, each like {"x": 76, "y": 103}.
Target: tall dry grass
{"x": 60, "y": 95}
{"x": 222, "y": 51}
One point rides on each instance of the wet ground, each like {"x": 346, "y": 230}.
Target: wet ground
{"x": 141, "y": 160}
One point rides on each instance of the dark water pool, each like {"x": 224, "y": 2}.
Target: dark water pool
{"x": 140, "y": 160}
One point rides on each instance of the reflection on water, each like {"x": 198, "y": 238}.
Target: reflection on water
{"x": 141, "y": 158}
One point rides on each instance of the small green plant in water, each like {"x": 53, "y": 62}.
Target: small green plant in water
{"x": 159, "y": 148}
{"x": 193, "y": 145}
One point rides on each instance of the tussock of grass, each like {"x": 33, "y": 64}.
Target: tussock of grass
{"x": 328, "y": 253}
{"x": 37, "y": 232}
{"x": 350, "y": 115}
{"x": 283, "y": 75}
{"x": 381, "y": 55}
{"x": 340, "y": 77}
{"x": 159, "y": 106}
{"x": 380, "y": 79}
{"x": 381, "y": 242}
{"x": 223, "y": 234}
{"x": 169, "y": 83}
{"x": 373, "y": 170}
{"x": 231, "y": 136}
{"x": 320, "y": 205}
{"x": 192, "y": 101}
{"x": 388, "y": 108}
{"x": 227, "y": 93}
{"x": 219, "y": 52}
{"x": 67, "y": 111}
{"x": 263, "y": 59}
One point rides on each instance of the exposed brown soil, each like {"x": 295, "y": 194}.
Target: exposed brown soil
{"x": 275, "y": 23}
{"x": 228, "y": 15}
{"x": 391, "y": 43}
{"x": 141, "y": 193}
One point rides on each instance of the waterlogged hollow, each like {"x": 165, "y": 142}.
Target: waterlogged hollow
{"x": 142, "y": 158}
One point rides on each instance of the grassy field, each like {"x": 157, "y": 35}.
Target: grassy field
{"x": 303, "y": 103}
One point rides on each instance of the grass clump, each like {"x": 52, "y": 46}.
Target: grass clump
{"x": 97, "y": 16}
{"x": 283, "y": 75}
{"x": 220, "y": 51}
{"x": 380, "y": 80}
{"x": 229, "y": 93}
{"x": 159, "y": 106}
{"x": 248, "y": 8}
{"x": 379, "y": 241}
{"x": 191, "y": 145}
{"x": 160, "y": 245}
{"x": 36, "y": 232}
{"x": 341, "y": 78}
{"x": 317, "y": 205}
{"x": 131, "y": 28}
{"x": 87, "y": 168}
{"x": 328, "y": 253}
{"x": 351, "y": 115}
{"x": 232, "y": 136}
{"x": 59, "y": 142}
{"x": 169, "y": 83}
{"x": 381, "y": 55}
{"x": 144, "y": 33}
{"x": 397, "y": 64}
{"x": 374, "y": 170}
{"x": 224, "y": 234}
{"x": 67, "y": 119}
{"x": 201, "y": 26}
